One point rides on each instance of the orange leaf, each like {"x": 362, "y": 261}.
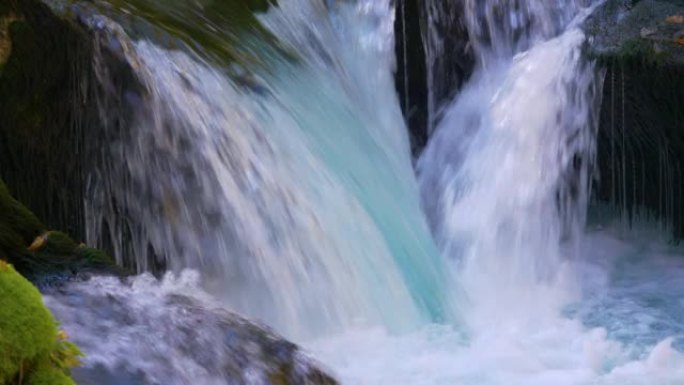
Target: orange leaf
{"x": 675, "y": 19}
{"x": 38, "y": 243}
{"x": 680, "y": 40}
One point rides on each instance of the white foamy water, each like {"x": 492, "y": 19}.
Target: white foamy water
{"x": 626, "y": 328}
{"x": 291, "y": 190}
{"x": 505, "y": 180}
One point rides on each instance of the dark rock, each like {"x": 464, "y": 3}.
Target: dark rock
{"x": 411, "y": 72}
{"x": 45, "y": 258}
{"x": 45, "y": 115}
{"x": 144, "y": 331}
{"x": 641, "y": 122}
{"x": 434, "y": 61}
{"x": 623, "y": 28}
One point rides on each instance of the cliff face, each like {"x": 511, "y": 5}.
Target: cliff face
{"x": 641, "y": 126}
{"x": 434, "y": 60}
{"x": 640, "y": 46}
{"x": 44, "y": 112}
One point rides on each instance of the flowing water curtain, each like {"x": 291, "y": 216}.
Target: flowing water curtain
{"x": 506, "y": 174}
{"x": 459, "y": 33}
{"x": 279, "y": 167}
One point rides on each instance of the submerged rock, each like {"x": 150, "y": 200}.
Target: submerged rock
{"x": 144, "y": 331}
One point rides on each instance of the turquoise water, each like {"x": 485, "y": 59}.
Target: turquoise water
{"x": 635, "y": 291}
{"x": 288, "y": 186}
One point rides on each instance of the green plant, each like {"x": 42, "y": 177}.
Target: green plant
{"x": 32, "y": 351}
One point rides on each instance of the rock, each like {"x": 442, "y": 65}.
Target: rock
{"x": 140, "y": 330}
{"x": 641, "y": 136}
{"x": 43, "y": 91}
{"x": 645, "y": 32}
{"x": 644, "y": 27}
{"x": 430, "y": 70}
{"x": 52, "y": 257}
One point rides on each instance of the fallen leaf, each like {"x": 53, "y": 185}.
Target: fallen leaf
{"x": 38, "y": 243}
{"x": 675, "y": 19}
{"x": 680, "y": 40}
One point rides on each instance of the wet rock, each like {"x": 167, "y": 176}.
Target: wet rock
{"x": 144, "y": 331}
{"x": 434, "y": 60}
{"x": 43, "y": 113}
{"x": 641, "y": 121}
{"x": 44, "y": 257}
{"x": 645, "y": 27}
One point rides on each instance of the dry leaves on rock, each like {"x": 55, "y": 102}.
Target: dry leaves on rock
{"x": 675, "y": 19}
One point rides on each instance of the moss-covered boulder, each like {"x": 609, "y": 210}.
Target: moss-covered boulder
{"x": 44, "y": 257}
{"x": 158, "y": 319}
{"x": 31, "y": 349}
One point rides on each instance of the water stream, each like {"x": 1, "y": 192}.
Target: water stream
{"x": 285, "y": 184}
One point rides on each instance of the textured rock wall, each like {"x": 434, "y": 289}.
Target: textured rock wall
{"x": 641, "y": 126}
{"x": 44, "y": 102}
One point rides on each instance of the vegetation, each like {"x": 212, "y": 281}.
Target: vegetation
{"x": 32, "y": 351}
{"x": 210, "y": 27}
{"x": 38, "y": 253}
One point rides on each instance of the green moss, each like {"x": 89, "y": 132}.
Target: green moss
{"x": 18, "y": 217}
{"x": 639, "y": 49}
{"x": 30, "y": 346}
{"x": 94, "y": 256}
{"x": 59, "y": 243}
{"x": 27, "y": 328}
{"x": 211, "y": 27}
{"x": 50, "y": 376}
{"x": 39, "y": 254}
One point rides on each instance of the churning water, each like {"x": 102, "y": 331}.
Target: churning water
{"x": 287, "y": 183}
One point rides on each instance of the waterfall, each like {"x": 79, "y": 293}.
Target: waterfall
{"x": 257, "y": 157}
{"x": 257, "y": 174}
{"x": 506, "y": 175}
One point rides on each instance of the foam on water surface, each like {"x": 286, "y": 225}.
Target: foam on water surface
{"x": 626, "y": 328}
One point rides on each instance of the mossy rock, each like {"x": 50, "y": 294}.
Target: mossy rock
{"x": 624, "y": 29}
{"x": 23, "y": 224}
{"x": 50, "y": 376}
{"x": 44, "y": 257}
{"x": 27, "y": 328}
{"x": 31, "y": 349}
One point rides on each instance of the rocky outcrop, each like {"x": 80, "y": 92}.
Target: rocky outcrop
{"x": 44, "y": 114}
{"x": 44, "y": 257}
{"x": 434, "y": 60}
{"x": 168, "y": 332}
{"x": 97, "y": 304}
{"x": 641, "y": 123}
{"x": 651, "y": 29}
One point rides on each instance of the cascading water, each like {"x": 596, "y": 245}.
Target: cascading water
{"x": 279, "y": 168}
{"x": 266, "y": 188}
{"x": 507, "y": 171}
